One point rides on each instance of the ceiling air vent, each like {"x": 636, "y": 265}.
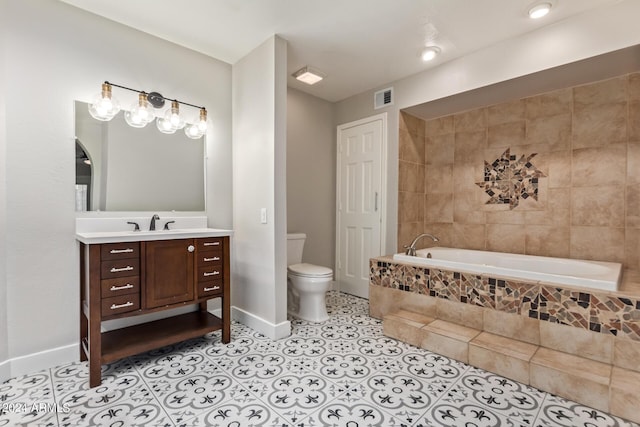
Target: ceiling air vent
{"x": 383, "y": 98}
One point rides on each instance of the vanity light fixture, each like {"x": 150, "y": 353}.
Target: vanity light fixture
{"x": 105, "y": 107}
{"x": 539, "y": 10}
{"x": 429, "y": 53}
{"x": 308, "y": 75}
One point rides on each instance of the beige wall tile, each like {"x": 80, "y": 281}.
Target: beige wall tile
{"x": 512, "y": 326}
{"x": 632, "y": 249}
{"x": 408, "y": 176}
{"x": 633, "y": 162}
{"x": 511, "y": 111}
{"x": 634, "y": 120}
{"x": 572, "y": 377}
{"x": 600, "y": 125}
{"x": 557, "y": 211}
{"x": 439, "y": 207}
{"x": 597, "y": 243}
{"x": 505, "y": 238}
{"x": 504, "y": 356}
{"x": 470, "y": 121}
{"x": 439, "y": 179}
{"x": 467, "y": 208}
{"x": 410, "y": 207}
{"x": 439, "y": 126}
{"x": 626, "y": 354}
{"x": 465, "y": 177}
{"x": 579, "y": 342}
{"x": 550, "y": 104}
{"x": 506, "y": 216}
{"x": 600, "y": 206}
{"x": 547, "y": 240}
{"x": 603, "y": 92}
{"x": 624, "y": 399}
{"x": 439, "y": 150}
{"x": 406, "y": 232}
{"x": 383, "y": 301}
{"x": 469, "y": 146}
{"x": 443, "y": 231}
{"x": 420, "y": 187}
{"x": 459, "y": 313}
{"x": 506, "y": 134}
{"x": 554, "y": 131}
{"x": 634, "y": 87}
{"x": 632, "y": 200}
{"x": 411, "y": 123}
{"x": 559, "y": 174}
{"x": 599, "y": 166}
{"x": 469, "y": 236}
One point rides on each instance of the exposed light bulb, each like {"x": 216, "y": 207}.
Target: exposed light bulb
{"x": 540, "y": 10}
{"x": 105, "y": 106}
{"x": 164, "y": 126}
{"x": 198, "y": 129}
{"x": 173, "y": 116}
{"x": 141, "y": 113}
{"x": 430, "y": 52}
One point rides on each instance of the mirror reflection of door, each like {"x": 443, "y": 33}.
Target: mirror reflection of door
{"x": 83, "y": 178}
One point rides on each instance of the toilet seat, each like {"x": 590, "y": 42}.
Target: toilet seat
{"x": 309, "y": 270}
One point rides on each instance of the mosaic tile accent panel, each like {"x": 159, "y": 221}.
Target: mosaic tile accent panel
{"x": 478, "y": 290}
{"x": 564, "y": 306}
{"x": 399, "y": 276}
{"x": 601, "y": 313}
{"x": 509, "y": 178}
{"x": 516, "y": 297}
{"x": 445, "y": 284}
{"x": 615, "y": 315}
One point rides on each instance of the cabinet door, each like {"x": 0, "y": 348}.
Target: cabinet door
{"x": 169, "y": 272}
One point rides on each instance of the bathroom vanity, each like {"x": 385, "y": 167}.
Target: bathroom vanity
{"x": 129, "y": 274}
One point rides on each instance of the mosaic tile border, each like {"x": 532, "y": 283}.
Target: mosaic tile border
{"x": 594, "y": 311}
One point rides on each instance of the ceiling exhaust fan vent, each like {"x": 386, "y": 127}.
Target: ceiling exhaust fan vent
{"x": 383, "y": 98}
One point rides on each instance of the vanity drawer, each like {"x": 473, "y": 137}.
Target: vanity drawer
{"x": 119, "y": 250}
{"x": 206, "y": 259}
{"x": 207, "y": 289}
{"x": 120, "y": 268}
{"x": 209, "y": 273}
{"x": 210, "y": 244}
{"x": 120, "y": 286}
{"x": 120, "y": 304}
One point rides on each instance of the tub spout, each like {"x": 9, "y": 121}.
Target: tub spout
{"x": 411, "y": 249}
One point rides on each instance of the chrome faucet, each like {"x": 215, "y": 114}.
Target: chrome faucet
{"x": 411, "y": 249}
{"x": 152, "y": 226}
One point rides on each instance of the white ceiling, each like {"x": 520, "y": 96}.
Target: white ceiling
{"x": 358, "y": 44}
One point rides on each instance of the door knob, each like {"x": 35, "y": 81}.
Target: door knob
{"x": 191, "y": 248}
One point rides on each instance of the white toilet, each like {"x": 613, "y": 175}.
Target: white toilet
{"x": 307, "y": 283}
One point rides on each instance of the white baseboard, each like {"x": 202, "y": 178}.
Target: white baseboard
{"x": 268, "y": 329}
{"x": 35, "y": 362}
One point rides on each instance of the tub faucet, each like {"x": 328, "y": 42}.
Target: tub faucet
{"x": 411, "y": 249}
{"x": 152, "y": 225}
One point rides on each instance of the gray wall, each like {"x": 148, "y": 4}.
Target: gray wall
{"x": 4, "y": 348}
{"x": 49, "y": 66}
{"x": 311, "y": 175}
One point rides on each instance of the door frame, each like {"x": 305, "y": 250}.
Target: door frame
{"x": 383, "y": 182}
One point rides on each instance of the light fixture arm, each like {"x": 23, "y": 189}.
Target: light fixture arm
{"x": 154, "y": 98}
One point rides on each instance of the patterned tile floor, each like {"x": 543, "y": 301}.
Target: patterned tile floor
{"x": 343, "y": 372}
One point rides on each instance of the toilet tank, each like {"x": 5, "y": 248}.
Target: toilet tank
{"x": 295, "y": 246}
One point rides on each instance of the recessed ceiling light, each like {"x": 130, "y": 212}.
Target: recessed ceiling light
{"x": 539, "y": 10}
{"x": 308, "y": 75}
{"x": 430, "y": 52}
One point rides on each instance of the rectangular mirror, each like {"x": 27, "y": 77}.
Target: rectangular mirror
{"x": 121, "y": 168}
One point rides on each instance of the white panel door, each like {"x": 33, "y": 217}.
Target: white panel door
{"x": 359, "y": 200}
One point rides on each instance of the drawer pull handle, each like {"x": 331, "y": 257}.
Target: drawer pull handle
{"x": 121, "y": 251}
{"x": 119, "y": 288}
{"x": 215, "y": 288}
{"x": 215, "y": 258}
{"x": 207, "y": 274}
{"x": 117, "y": 270}
{"x": 116, "y": 306}
{"x": 212, "y": 243}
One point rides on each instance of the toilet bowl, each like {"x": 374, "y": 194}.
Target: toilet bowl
{"x": 307, "y": 283}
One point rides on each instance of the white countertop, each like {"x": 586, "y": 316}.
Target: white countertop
{"x": 95, "y": 237}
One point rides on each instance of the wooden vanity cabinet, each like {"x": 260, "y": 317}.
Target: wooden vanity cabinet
{"x": 132, "y": 278}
